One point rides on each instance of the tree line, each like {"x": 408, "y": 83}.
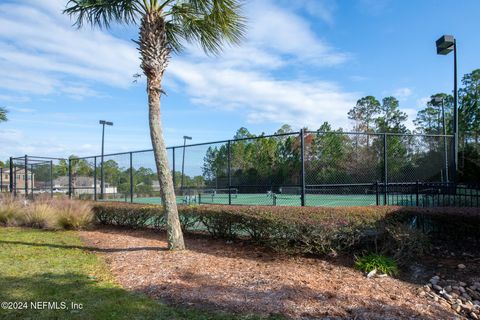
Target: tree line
{"x": 333, "y": 156}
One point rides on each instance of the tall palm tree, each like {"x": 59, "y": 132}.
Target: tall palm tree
{"x": 3, "y": 114}
{"x": 165, "y": 27}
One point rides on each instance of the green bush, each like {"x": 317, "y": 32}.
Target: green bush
{"x": 381, "y": 263}
{"x": 128, "y": 215}
{"x": 395, "y": 231}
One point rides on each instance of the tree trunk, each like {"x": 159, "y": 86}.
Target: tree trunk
{"x": 174, "y": 231}
{"x": 154, "y": 55}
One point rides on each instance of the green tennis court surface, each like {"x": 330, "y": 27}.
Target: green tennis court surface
{"x": 329, "y": 200}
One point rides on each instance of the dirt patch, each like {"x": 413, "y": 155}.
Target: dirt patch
{"x": 239, "y": 277}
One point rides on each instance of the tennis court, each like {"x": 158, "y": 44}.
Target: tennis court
{"x": 328, "y": 200}
{"x": 327, "y": 197}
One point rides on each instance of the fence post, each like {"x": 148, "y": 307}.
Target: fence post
{"x": 31, "y": 180}
{"x": 26, "y": 176}
{"x": 70, "y": 178}
{"x": 377, "y": 194}
{"x": 385, "y": 169}
{"x": 229, "y": 174}
{"x": 131, "y": 177}
{"x": 11, "y": 176}
{"x": 1, "y": 180}
{"x": 417, "y": 191}
{"x": 95, "y": 178}
{"x": 302, "y": 166}
{"x": 51, "y": 178}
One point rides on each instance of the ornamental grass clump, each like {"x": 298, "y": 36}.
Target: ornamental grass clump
{"x": 72, "y": 215}
{"x": 39, "y": 215}
{"x": 10, "y": 210}
{"x": 45, "y": 213}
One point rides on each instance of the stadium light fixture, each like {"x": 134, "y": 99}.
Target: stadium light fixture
{"x": 102, "y": 183}
{"x": 185, "y": 138}
{"x": 446, "y": 44}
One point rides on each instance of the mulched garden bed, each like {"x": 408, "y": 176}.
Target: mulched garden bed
{"x": 236, "y": 276}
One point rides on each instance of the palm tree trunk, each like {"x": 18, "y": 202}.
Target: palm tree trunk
{"x": 174, "y": 230}
{"x": 154, "y": 55}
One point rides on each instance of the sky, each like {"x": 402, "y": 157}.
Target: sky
{"x": 302, "y": 62}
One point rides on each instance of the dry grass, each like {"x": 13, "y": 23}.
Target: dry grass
{"x": 46, "y": 213}
{"x": 72, "y": 215}
{"x": 9, "y": 209}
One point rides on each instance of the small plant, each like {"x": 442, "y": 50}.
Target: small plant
{"x": 381, "y": 263}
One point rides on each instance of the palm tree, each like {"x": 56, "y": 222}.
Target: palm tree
{"x": 165, "y": 26}
{"x": 3, "y": 114}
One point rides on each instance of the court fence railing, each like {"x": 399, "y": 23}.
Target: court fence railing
{"x": 305, "y": 168}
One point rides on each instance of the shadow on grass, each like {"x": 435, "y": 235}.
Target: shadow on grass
{"x": 88, "y": 248}
{"x": 93, "y": 300}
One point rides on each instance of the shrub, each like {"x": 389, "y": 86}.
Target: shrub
{"x": 405, "y": 242}
{"x": 128, "y": 215}
{"x": 381, "y": 263}
{"x": 396, "y": 231}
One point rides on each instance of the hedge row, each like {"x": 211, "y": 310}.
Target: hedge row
{"x": 400, "y": 231}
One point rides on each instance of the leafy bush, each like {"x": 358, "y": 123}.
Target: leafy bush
{"x": 128, "y": 215}
{"x": 396, "y": 231}
{"x": 381, "y": 263}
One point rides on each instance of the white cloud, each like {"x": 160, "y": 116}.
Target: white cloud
{"x": 21, "y": 110}
{"x": 9, "y": 98}
{"x": 245, "y": 79}
{"x": 263, "y": 98}
{"x": 412, "y": 115}
{"x": 322, "y": 9}
{"x": 42, "y": 54}
{"x": 39, "y": 50}
{"x": 287, "y": 34}
{"x": 422, "y": 102}
{"x": 402, "y": 93}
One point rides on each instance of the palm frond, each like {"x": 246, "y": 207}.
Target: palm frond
{"x": 212, "y": 23}
{"x": 102, "y": 13}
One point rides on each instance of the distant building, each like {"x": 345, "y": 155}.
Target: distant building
{"x": 82, "y": 185}
{"x": 19, "y": 181}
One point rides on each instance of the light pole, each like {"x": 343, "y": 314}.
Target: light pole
{"x": 438, "y": 100}
{"x": 446, "y": 44}
{"x": 185, "y": 138}
{"x": 102, "y": 183}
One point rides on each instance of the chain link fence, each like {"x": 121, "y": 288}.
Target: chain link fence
{"x": 306, "y": 168}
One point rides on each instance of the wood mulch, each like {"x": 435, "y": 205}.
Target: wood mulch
{"x": 238, "y": 277}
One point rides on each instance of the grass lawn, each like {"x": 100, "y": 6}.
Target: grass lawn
{"x": 46, "y": 266}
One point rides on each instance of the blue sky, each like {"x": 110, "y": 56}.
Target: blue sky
{"x": 303, "y": 62}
